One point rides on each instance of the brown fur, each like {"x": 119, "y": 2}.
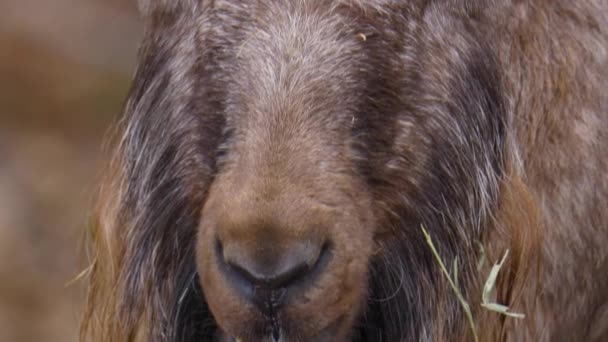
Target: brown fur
{"x": 351, "y": 124}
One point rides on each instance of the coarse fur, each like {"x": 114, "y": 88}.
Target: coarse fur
{"x": 358, "y": 122}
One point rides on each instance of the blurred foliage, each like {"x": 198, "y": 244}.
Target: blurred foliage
{"x": 47, "y": 92}
{"x": 65, "y": 67}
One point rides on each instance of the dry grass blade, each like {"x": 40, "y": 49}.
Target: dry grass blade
{"x": 482, "y": 256}
{"x": 487, "y": 290}
{"x": 79, "y": 276}
{"x": 452, "y": 282}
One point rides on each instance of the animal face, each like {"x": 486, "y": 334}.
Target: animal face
{"x": 323, "y": 148}
{"x": 278, "y": 159}
{"x": 292, "y": 151}
{"x": 287, "y": 230}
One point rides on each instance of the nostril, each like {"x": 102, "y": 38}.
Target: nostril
{"x": 272, "y": 279}
{"x": 263, "y": 271}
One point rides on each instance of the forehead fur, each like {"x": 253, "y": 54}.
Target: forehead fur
{"x": 296, "y": 58}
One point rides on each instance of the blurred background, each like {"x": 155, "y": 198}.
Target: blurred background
{"x": 65, "y": 67}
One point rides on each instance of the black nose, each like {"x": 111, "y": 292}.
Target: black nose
{"x": 266, "y": 272}
{"x": 274, "y": 275}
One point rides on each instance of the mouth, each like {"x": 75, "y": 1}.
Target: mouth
{"x": 227, "y": 338}
{"x": 273, "y": 329}
{"x": 277, "y": 334}
{"x": 320, "y": 304}
{"x": 270, "y": 298}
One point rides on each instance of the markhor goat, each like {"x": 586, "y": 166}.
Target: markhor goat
{"x": 277, "y": 162}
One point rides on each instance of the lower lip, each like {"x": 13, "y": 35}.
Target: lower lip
{"x": 328, "y": 334}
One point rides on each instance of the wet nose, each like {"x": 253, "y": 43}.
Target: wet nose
{"x": 264, "y": 272}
